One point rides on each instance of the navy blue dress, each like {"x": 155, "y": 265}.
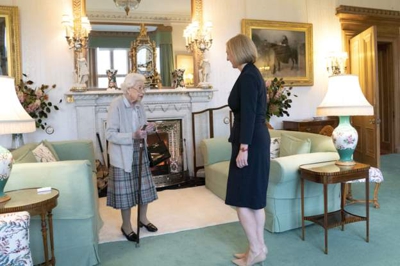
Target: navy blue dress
{"x": 247, "y": 186}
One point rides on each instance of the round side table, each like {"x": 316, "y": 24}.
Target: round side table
{"x": 35, "y": 203}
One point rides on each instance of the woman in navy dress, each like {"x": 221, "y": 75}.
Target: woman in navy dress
{"x": 249, "y": 166}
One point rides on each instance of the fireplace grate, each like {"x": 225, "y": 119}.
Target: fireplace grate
{"x": 170, "y": 172}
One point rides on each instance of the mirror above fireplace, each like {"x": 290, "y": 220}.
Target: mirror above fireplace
{"x": 174, "y": 14}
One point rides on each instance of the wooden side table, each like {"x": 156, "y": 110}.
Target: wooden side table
{"x": 310, "y": 126}
{"x": 330, "y": 173}
{"x": 36, "y": 204}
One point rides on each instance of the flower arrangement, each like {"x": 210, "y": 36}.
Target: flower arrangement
{"x": 36, "y": 101}
{"x": 278, "y": 98}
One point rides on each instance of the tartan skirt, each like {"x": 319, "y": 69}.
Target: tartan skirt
{"x": 122, "y": 190}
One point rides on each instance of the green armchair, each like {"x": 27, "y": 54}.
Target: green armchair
{"x": 76, "y": 219}
{"x": 283, "y": 196}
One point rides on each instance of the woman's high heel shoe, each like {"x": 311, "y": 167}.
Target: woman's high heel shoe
{"x": 259, "y": 259}
{"x": 242, "y": 255}
{"x": 239, "y": 262}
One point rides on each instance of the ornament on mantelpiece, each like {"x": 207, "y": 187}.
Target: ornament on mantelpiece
{"x": 204, "y": 74}
{"x": 177, "y": 78}
{"x": 112, "y": 78}
{"x": 82, "y": 75}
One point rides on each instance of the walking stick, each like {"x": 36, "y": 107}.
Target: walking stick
{"x": 139, "y": 191}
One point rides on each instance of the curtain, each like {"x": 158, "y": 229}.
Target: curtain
{"x": 92, "y": 67}
{"x": 164, "y": 41}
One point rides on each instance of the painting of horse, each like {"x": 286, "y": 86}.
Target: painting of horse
{"x": 274, "y": 54}
{"x": 284, "y": 49}
{"x": 284, "y": 54}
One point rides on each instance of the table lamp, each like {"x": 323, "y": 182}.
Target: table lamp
{"x": 13, "y": 119}
{"x": 344, "y": 98}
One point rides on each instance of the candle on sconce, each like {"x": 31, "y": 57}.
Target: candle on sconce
{"x": 66, "y": 21}
{"x": 208, "y": 27}
{"x": 185, "y": 35}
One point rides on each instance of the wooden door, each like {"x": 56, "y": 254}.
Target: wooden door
{"x": 364, "y": 63}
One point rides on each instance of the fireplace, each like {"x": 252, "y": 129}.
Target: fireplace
{"x": 162, "y": 105}
{"x": 170, "y": 172}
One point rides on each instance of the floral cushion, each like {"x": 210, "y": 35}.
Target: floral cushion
{"x": 45, "y": 152}
{"x": 375, "y": 176}
{"x": 14, "y": 239}
{"x": 275, "y": 147}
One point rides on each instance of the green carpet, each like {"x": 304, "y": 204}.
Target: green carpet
{"x": 215, "y": 245}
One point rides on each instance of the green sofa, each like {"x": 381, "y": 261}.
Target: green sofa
{"x": 76, "y": 218}
{"x": 283, "y": 210}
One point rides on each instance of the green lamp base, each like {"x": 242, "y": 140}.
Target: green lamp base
{"x": 345, "y": 138}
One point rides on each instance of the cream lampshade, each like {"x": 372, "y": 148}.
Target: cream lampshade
{"x": 345, "y": 98}
{"x": 13, "y": 119}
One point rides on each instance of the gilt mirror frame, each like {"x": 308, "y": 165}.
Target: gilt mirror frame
{"x": 11, "y": 16}
{"x": 197, "y": 15}
{"x": 143, "y": 42}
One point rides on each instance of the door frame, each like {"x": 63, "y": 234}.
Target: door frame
{"x": 392, "y": 53}
{"x": 354, "y": 20}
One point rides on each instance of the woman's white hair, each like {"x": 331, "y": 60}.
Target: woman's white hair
{"x": 130, "y": 80}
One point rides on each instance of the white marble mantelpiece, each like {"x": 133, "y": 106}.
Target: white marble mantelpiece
{"x": 161, "y": 104}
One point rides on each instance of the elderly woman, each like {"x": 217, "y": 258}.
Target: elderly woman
{"x": 125, "y": 127}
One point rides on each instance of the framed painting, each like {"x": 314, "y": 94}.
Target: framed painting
{"x": 285, "y": 50}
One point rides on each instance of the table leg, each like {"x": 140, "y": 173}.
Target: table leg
{"x": 326, "y": 216}
{"x": 44, "y": 236}
{"x": 367, "y": 204}
{"x": 50, "y": 219}
{"x": 342, "y": 203}
{"x": 302, "y": 208}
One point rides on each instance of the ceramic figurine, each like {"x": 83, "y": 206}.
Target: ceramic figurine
{"x": 177, "y": 78}
{"x": 81, "y": 74}
{"x": 112, "y": 78}
{"x": 204, "y": 74}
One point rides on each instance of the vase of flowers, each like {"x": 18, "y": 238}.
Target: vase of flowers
{"x": 36, "y": 101}
{"x": 278, "y": 98}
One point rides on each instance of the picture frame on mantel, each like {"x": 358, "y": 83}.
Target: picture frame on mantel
{"x": 285, "y": 50}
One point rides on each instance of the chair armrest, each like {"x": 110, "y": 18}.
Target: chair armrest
{"x": 286, "y": 169}
{"x": 74, "y": 180}
{"x": 215, "y": 150}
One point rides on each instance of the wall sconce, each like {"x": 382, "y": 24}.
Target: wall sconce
{"x": 76, "y": 32}
{"x": 199, "y": 36}
{"x": 336, "y": 63}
